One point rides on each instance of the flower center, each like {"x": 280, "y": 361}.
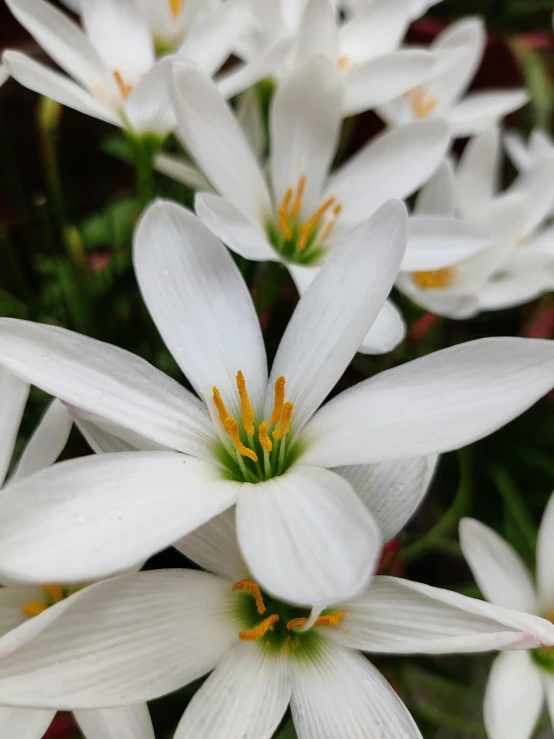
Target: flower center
{"x": 278, "y": 625}
{"x": 434, "y": 280}
{"x": 52, "y": 594}
{"x": 124, "y": 89}
{"x": 297, "y": 239}
{"x": 176, "y": 8}
{"x": 248, "y": 443}
{"x": 422, "y": 102}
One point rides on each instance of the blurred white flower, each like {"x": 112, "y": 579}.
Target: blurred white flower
{"x": 520, "y": 681}
{"x": 417, "y": 8}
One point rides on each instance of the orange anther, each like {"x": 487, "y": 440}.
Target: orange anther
{"x": 259, "y": 631}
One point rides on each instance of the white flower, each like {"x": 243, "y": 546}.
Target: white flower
{"x": 120, "y": 508}
{"x": 113, "y": 60}
{"x": 141, "y": 636}
{"x": 519, "y": 682}
{"x": 308, "y": 212}
{"x": 445, "y": 97}
{"x": 519, "y": 265}
{"x": 417, "y": 8}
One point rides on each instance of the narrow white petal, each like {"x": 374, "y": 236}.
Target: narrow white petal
{"x": 434, "y": 404}
{"x": 24, "y": 723}
{"x": 182, "y": 171}
{"x": 435, "y": 242}
{"x": 374, "y": 29}
{"x": 386, "y": 333}
{"x": 149, "y": 108}
{"x": 108, "y": 381}
{"x": 318, "y": 33}
{"x": 340, "y": 694}
{"x": 517, "y": 150}
{"x": 514, "y": 697}
{"x": 129, "y": 722}
{"x": 250, "y": 117}
{"x": 103, "y": 436}
{"x": 438, "y": 196}
{"x": 392, "y": 491}
{"x": 501, "y": 574}
{"x": 266, "y": 64}
{"x": 119, "y": 509}
{"x": 512, "y": 290}
{"x": 252, "y": 708}
{"x": 545, "y": 553}
{"x": 548, "y": 686}
{"x": 484, "y": 108}
{"x": 124, "y": 641}
{"x": 13, "y": 396}
{"x": 537, "y": 183}
{"x": 4, "y": 73}
{"x": 478, "y": 172}
{"x": 306, "y": 536}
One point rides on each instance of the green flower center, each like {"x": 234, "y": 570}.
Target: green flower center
{"x": 52, "y": 594}
{"x": 544, "y": 656}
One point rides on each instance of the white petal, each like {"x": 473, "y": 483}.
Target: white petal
{"x": 437, "y": 403}
{"x": 318, "y": 33}
{"x": 214, "y": 138}
{"x": 180, "y": 170}
{"x": 46, "y": 82}
{"x": 252, "y": 708}
{"x": 323, "y": 335}
{"x": 502, "y": 576}
{"x": 393, "y": 165}
{"x": 391, "y": 490}
{"x": 240, "y": 234}
{"x": 149, "y": 108}
{"x": 199, "y": 302}
{"x": 395, "y": 616}
{"x": 13, "y": 396}
{"x": 386, "y": 333}
{"x": 266, "y": 64}
{"x": 545, "y": 553}
{"x": 12, "y": 600}
{"x": 435, "y": 242}
{"x": 438, "y": 196}
{"x": 103, "y": 436}
{"x": 377, "y": 81}
{"x": 47, "y": 442}
{"x": 251, "y": 119}
{"x": 514, "y": 697}
{"x": 4, "y": 73}
{"x": 478, "y": 172}
{"x": 120, "y": 508}
{"x": 340, "y": 694}
{"x": 130, "y": 722}
{"x": 484, "y": 108}
{"x": 548, "y": 686}
{"x": 124, "y": 641}
{"x": 517, "y": 150}
{"x": 511, "y": 290}
{"x": 420, "y": 7}
{"x": 305, "y": 122}
{"x": 374, "y": 29}
{"x": 103, "y": 379}
{"x": 214, "y": 546}
{"x": 537, "y": 183}
{"x": 24, "y": 723}
{"x": 306, "y": 536}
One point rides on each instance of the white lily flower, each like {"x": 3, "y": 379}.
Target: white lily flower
{"x": 519, "y": 265}
{"x": 259, "y": 443}
{"x": 141, "y": 636}
{"x": 307, "y": 212}
{"x": 519, "y": 682}
{"x": 445, "y": 98}
{"x": 118, "y": 78}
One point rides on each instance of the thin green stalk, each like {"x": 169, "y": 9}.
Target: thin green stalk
{"x": 145, "y": 149}
{"x": 515, "y": 505}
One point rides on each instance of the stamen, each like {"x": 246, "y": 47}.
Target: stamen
{"x": 54, "y": 591}
{"x": 259, "y": 631}
{"x": 422, "y": 101}
{"x": 298, "y": 199}
{"x": 253, "y": 589}
{"x": 232, "y": 428}
{"x": 176, "y": 8}
{"x": 265, "y": 441}
{"x": 523, "y": 242}
{"x": 434, "y": 280}
{"x": 246, "y": 405}
{"x": 331, "y": 225}
{"x": 220, "y": 405}
{"x": 313, "y": 222}
{"x": 124, "y": 88}
{"x": 284, "y": 215}
{"x": 332, "y": 619}
{"x": 279, "y": 400}
{"x": 284, "y": 426}
{"x": 34, "y": 609}
{"x": 344, "y": 63}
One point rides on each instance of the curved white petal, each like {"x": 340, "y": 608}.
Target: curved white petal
{"x": 392, "y": 491}
{"x": 200, "y": 303}
{"x": 478, "y": 172}
{"x": 103, "y": 436}
{"x": 317, "y": 33}
{"x": 128, "y": 722}
{"x": 484, "y": 108}
{"x": 340, "y": 694}
{"x": 24, "y": 723}
{"x": 438, "y": 196}
{"x": 251, "y": 118}
{"x": 502, "y": 576}
{"x": 91, "y": 517}
{"x": 517, "y": 150}
{"x": 149, "y": 108}
{"x": 252, "y": 708}
{"x": 13, "y": 396}
{"x": 180, "y": 170}
{"x": 437, "y": 403}
{"x": 267, "y": 64}
{"x": 548, "y": 685}
{"x": 4, "y": 73}
{"x": 124, "y": 641}
{"x": 537, "y": 184}
{"x": 511, "y": 290}
{"x": 374, "y": 29}
{"x": 107, "y": 381}
{"x": 545, "y": 553}
{"x": 514, "y": 697}
{"x": 386, "y": 333}
{"x": 306, "y": 536}
{"x": 435, "y": 242}
{"x": 12, "y": 600}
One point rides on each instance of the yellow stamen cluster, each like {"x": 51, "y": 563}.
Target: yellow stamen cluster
{"x": 289, "y": 212}
{"x": 422, "y": 101}
{"x": 124, "y": 89}
{"x": 434, "y": 280}
{"x": 260, "y": 630}
{"x": 54, "y": 594}
{"x": 345, "y": 63}
{"x": 331, "y": 619}
{"x": 176, "y": 8}
{"x": 249, "y": 586}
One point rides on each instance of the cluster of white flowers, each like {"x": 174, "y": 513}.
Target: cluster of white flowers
{"x": 283, "y": 498}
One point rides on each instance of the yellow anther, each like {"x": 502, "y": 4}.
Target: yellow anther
{"x": 524, "y": 241}
{"x": 220, "y": 405}
{"x": 246, "y": 405}
{"x": 299, "y": 197}
{"x": 434, "y": 280}
{"x": 259, "y": 631}
{"x": 330, "y": 226}
{"x": 34, "y": 609}
{"x": 176, "y": 8}
{"x": 344, "y": 63}
{"x": 279, "y": 400}
{"x": 332, "y": 619}
{"x": 422, "y": 101}
{"x": 232, "y": 428}
{"x": 249, "y": 586}
{"x": 55, "y": 592}
{"x": 124, "y": 88}
{"x": 283, "y": 212}
{"x": 312, "y": 223}
{"x": 284, "y": 426}
{"x": 265, "y": 441}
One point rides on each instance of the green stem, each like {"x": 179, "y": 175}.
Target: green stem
{"x": 145, "y": 149}
{"x": 515, "y": 505}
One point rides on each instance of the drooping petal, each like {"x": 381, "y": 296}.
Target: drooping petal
{"x": 481, "y": 109}
{"x": 396, "y": 616}
{"x": 149, "y": 108}
{"x": 386, "y": 333}
{"x": 90, "y": 517}
{"x": 323, "y": 335}
{"x": 392, "y": 491}
{"x": 478, "y": 172}
{"x": 108, "y": 381}
{"x": 253, "y": 708}
{"x": 128, "y": 722}
{"x": 434, "y": 404}
{"x": 199, "y": 302}
{"x": 514, "y": 697}
{"x": 340, "y": 694}
{"x": 545, "y": 552}
{"x": 13, "y": 396}
{"x": 435, "y": 242}
{"x": 502, "y": 576}
{"x": 124, "y": 641}
{"x": 374, "y": 29}
{"x": 306, "y": 536}
{"x": 214, "y": 138}
{"x": 24, "y": 723}
{"x": 438, "y": 196}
